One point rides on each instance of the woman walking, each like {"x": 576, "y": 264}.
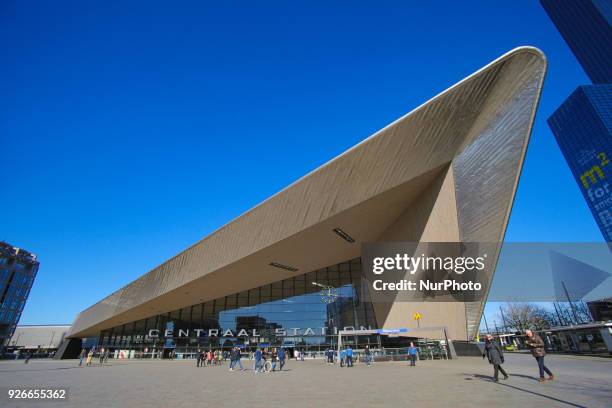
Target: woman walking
{"x": 90, "y": 356}
{"x": 496, "y": 357}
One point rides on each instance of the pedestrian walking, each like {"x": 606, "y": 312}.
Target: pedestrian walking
{"x": 82, "y": 356}
{"x": 342, "y": 357}
{"x": 237, "y": 362}
{"x": 90, "y": 356}
{"x": 199, "y": 358}
{"x": 536, "y": 345}
{"x": 101, "y": 356}
{"x": 412, "y": 353}
{"x": 281, "y": 358}
{"x": 368, "y": 356}
{"x": 258, "y": 358}
{"x": 28, "y": 357}
{"x": 349, "y": 356}
{"x": 274, "y": 358}
{"x": 232, "y": 357}
{"x": 494, "y": 353}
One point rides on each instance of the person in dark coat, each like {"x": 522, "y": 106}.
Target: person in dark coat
{"x": 198, "y": 358}
{"x": 536, "y": 345}
{"x": 496, "y": 357}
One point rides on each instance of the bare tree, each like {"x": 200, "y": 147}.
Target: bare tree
{"x": 523, "y": 316}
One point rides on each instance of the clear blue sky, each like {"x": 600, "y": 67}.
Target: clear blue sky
{"x": 131, "y": 130}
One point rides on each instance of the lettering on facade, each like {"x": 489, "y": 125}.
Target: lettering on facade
{"x": 278, "y": 332}
{"x": 599, "y": 192}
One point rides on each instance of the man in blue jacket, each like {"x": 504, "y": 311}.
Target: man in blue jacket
{"x": 258, "y": 356}
{"x": 349, "y": 357}
{"x": 412, "y": 353}
{"x": 281, "y": 358}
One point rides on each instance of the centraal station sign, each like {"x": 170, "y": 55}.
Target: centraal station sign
{"x": 278, "y": 332}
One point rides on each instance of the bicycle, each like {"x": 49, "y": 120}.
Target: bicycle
{"x": 267, "y": 367}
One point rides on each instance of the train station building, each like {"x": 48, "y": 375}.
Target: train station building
{"x": 289, "y": 272}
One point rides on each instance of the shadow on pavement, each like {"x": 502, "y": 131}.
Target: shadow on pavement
{"x": 531, "y": 377}
{"x": 505, "y": 384}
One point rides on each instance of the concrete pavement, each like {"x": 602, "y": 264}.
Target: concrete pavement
{"x": 465, "y": 382}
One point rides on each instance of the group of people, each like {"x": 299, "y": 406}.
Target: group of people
{"x": 276, "y": 356}
{"x": 88, "y": 356}
{"x": 209, "y": 358}
{"x": 492, "y": 350}
{"x": 345, "y": 357}
{"x": 494, "y": 353}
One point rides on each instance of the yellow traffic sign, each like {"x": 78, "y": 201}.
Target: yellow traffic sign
{"x": 416, "y": 316}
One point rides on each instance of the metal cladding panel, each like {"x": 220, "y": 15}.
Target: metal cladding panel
{"x": 429, "y": 137}
{"x": 488, "y": 168}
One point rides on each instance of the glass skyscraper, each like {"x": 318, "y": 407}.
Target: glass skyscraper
{"x": 18, "y": 269}
{"x": 582, "y": 125}
{"x": 586, "y": 27}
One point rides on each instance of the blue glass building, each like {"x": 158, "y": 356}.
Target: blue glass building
{"x": 586, "y": 27}
{"x": 582, "y": 124}
{"x": 18, "y": 269}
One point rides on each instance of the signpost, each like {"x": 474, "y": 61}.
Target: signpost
{"x": 417, "y": 316}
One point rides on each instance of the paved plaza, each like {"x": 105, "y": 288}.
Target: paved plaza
{"x": 465, "y": 382}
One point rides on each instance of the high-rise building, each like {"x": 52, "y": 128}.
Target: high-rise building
{"x": 582, "y": 125}
{"x": 586, "y": 27}
{"x": 18, "y": 269}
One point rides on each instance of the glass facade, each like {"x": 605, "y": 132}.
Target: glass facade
{"x": 583, "y": 124}
{"x": 586, "y": 26}
{"x": 583, "y": 129}
{"x": 304, "y": 312}
{"x": 18, "y": 269}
